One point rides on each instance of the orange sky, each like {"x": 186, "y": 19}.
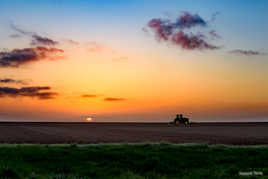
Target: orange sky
{"x": 121, "y": 71}
{"x": 149, "y": 84}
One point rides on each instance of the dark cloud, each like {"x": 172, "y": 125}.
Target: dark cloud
{"x": 246, "y": 52}
{"x": 34, "y": 91}
{"x": 177, "y": 31}
{"x": 164, "y": 28}
{"x": 37, "y": 39}
{"x": 18, "y": 57}
{"x": 114, "y": 99}
{"x": 191, "y": 42}
{"x": 10, "y": 80}
{"x": 188, "y": 20}
{"x": 49, "y": 50}
{"x": 88, "y": 96}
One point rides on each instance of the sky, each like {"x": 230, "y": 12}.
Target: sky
{"x": 133, "y": 61}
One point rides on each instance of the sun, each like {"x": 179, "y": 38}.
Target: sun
{"x": 89, "y": 119}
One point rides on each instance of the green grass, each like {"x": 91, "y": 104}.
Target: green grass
{"x": 128, "y": 161}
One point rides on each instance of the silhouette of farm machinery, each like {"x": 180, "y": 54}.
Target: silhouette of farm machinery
{"x": 180, "y": 119}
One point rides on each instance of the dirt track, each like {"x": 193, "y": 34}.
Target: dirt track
{"x": 211, "y": 133}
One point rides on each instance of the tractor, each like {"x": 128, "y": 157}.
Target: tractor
{"x": 181, "y": 120}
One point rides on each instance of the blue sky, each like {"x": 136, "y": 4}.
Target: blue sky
{"x": 239, "y": 21}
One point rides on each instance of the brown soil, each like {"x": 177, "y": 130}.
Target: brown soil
{"x": 86, "y": 133}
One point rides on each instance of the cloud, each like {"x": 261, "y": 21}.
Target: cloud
{"x": 164, "y": 28}
{"x": 17, "y": 29}
{"x": 114, "y": 99}
{"x": 33, "y": 92}
{"x": 37, "y": 39}
{"x": 246, "y": 52}
{"x": 72, "y": 42}
{"x": 10, "y": 80}
{"x": 18, "y": 57}
{"x": 178, "y": 31}
{"x": 191, "y": 42}
{"x": 188, "y": 20}
{"x": 88, "y": 96}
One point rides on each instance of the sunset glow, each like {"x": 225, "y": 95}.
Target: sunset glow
{"x": 133, "y": 61}
{"x": 89, "y": 119}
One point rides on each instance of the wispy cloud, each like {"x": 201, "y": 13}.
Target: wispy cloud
{"x": 37, "y": 39}
{"x": 72, "y": 42}
{"x": 97, "y": 47}
{"x": 246, "y": 52}
{"x": 10, "y": 80}
{"x": 88, "y": 96}
{"x": 114, "y": 99}
{"x": 18, "y": 57}
{"x": 34, "y": 92}
{"x": 178, "y": 32}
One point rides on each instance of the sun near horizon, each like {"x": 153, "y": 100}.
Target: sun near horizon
{"x": 89, "y": 119}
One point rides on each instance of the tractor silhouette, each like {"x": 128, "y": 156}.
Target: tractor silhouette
{"x": 180, "y": 120}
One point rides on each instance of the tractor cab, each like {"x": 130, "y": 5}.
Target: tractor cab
{"x": 181, "y": 120}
